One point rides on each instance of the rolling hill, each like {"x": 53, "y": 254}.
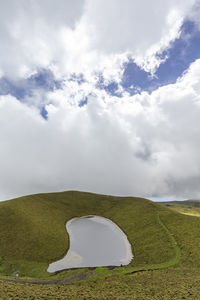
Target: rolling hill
{"x": 187, "y": 207}
{"x": 165, "y": 245}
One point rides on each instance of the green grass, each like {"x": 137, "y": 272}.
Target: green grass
{"x": 33, "y": 234}
{"x": 165, "y": 244}
{"x": 189, "y": 207}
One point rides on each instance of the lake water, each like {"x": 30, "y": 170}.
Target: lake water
{"x": 94, "y": 242}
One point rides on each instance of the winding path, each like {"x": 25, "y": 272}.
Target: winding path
{"x": 174, "y": 261}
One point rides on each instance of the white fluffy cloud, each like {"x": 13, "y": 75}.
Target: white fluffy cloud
{"x": 145, "y": 145}
{"x": 141, "y": 28}
{"x": 83, "y": 36}
{"x": 30, "y": 33}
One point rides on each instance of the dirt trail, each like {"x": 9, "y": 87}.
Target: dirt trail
{"x": 75, "y": 278}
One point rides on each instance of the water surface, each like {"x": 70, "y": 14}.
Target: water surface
{"x": 94, "y": 241}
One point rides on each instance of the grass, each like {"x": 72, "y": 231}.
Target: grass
{"x": 189, "y": 207}
{"x": 32, "y": 234}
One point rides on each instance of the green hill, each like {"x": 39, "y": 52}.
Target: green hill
{"x": 187, "y": 207}
{"x": 33, "y": 234}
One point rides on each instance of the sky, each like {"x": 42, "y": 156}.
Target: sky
{"x": 100, "y": 96}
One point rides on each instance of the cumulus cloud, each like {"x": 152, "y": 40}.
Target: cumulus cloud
{"x": 146, "y": 145}
{"x": 30, "y": 33}
{"x": 141, "y": 28}
{"x": 84, "y": 36}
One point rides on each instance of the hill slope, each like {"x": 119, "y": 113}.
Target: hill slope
{"x": 33, "y": 234}
{"x": 187, "y": 207}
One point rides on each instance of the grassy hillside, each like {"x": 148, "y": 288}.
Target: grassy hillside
{"x": 188, "y": 207}
{"x": 33, "y": 234}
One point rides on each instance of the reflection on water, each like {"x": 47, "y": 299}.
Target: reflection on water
{"x": 94, "y": 241}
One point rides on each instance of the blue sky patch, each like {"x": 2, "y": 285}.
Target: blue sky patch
{"x": 83, "y": 102}
{"x": 111, "y": 88}
{"x": 79, "y": 78}
{"x": 44, "y": 113}
{"x": 44, "y": 79}
{"x": 15, "y": 89}
{"x": 182, "y": 52}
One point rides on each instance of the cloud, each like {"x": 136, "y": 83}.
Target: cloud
{"x": 86, "y": 36}
{"x": 52, "y": 59}
{"x": 30, "y": 33}
{"x": 141, "y": 28}
{"x": 194, "y": 13}
{"x": 146, "y": 145}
